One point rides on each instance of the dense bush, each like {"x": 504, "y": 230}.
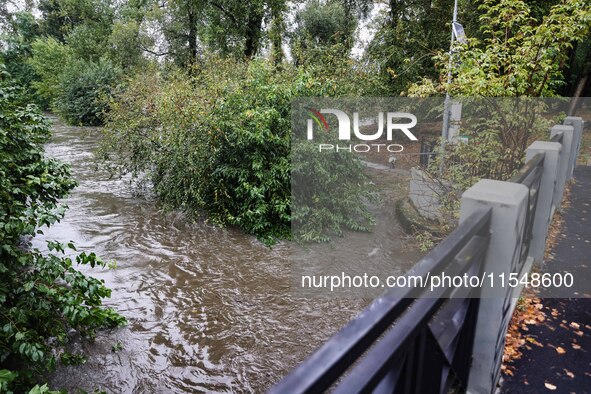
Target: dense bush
{"x": 48, "y": 60}
{"x": 16, "y": 48}
{"x": 42, "y": 296}
{"x": 84, "y": 88}
{"x": 221, "y": 145}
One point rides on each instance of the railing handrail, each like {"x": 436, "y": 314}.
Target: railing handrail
{"x": 528, "y": 168}
{"x": 370, "y": 370}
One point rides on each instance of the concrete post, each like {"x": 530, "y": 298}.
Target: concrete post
{"x": 509, "y": 204}
{"x": 544, "y": 212}
{"x": 564, "y": 169}
{"x": 577, "y": 123}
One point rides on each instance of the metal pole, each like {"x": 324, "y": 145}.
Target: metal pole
{"x": 446, "y": 103}
{"x": 445, "y": 130}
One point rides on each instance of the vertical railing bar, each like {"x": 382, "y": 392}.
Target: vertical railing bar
{"x": 410, "y": 360}
{"x": 422, "y": 339}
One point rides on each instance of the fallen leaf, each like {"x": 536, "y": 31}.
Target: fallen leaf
{"x": 574, "y": 325}
{"x": 528, "y": 312}
{"x": 550, "y": 386}
{"x": 560, "y": 350}
{"x": 575, "y": 346}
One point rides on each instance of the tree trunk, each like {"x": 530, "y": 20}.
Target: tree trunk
{"x": 395, "y": 8}
{"x": 192, "y": 34}
{"x": 253, "y": 31}
{"x": 583, "y": 82}
{"x": 277, "y": 29}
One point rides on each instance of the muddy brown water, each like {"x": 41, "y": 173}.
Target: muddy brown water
{"x": 209, "y": 309}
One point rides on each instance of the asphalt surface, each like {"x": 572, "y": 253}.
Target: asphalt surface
{"x": 563, "y": 363}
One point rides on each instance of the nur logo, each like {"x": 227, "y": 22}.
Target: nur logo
{"x": 399, "y": 121}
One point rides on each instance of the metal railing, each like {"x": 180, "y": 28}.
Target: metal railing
{"x": 530, "y": 175}
{"x": 428, "y": 334}
{"x": 407, "y": 341}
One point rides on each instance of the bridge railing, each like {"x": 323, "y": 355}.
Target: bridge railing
{"x": 452, "y": 338}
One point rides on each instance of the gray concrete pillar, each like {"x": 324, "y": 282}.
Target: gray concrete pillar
{"x": 578, "y": 124}
{"x": 509, "y": 203}
{"x": 564, "y": 169}
{"x": 544, "y": 211}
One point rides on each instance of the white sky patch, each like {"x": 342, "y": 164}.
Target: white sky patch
{"x": 367, "y": 30}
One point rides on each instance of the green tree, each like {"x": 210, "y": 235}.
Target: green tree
{"x": 225, "y": 27}
{"x": 319, "y": 26}
{"x": 125, "y": 45}
{"x": 519, "y": 55}
{"x": 85, "y": 87}
{"x": 410, "y": 33}
{"x": 222, "y": 145}
{"x": 48, "y": 59}
{"x": 22, "y": 30}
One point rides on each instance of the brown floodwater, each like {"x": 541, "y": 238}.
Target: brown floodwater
{"x": 209, "y": 308}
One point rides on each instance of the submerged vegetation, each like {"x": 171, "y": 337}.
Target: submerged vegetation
{"x": 221, "y": 146}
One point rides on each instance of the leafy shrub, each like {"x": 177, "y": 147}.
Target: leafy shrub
{"x": 320, "y": 26}
{"x": 42, "y": 296}
{"x": 48, "y": 59}
{"x": 16, "y": 41}
{"x": 84, "y": 88}
{"x": 221, "y": 144}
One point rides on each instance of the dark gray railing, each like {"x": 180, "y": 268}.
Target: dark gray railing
{"x": 408, "y": 341}
{"x": 530, "y": 176}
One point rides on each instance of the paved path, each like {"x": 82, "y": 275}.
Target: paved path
{"x": 569, "y": 372}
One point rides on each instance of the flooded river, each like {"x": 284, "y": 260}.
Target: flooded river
{"x": 209, "y": 309}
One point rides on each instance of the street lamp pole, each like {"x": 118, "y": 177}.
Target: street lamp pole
{"x": 446, "y": 105}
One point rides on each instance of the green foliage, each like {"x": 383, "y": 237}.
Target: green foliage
{"x": 72, "y": 359}
{"x": 330, "y": 192}
{"x": 42, "y": 296}
{"x": 16, "y": 49}
{"x": 225, "y": 27}
{"x": 219, "y": 145}
{"x": 84, "y": 91}
{"x": 519, "y": 55}
{"x": 79, "y": 56}
{"x": 407, "y": 37}
{"x": 48, "y": 59}
{"x": 320, "y": 26}
{"x": 125, "y": 45}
